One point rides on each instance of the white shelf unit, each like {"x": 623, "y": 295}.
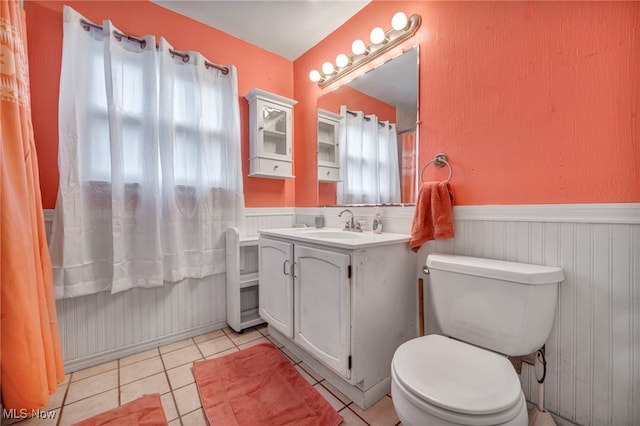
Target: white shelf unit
{"x": 242, "y": 281}
{"x": 328, "y": 146}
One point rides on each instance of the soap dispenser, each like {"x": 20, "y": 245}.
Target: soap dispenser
{"x": 377, "y": 222}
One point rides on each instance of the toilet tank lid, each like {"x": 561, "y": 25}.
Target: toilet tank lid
{"x": 498, "y": 269}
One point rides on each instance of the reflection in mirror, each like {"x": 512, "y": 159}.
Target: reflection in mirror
{"x": 383, "y": 99}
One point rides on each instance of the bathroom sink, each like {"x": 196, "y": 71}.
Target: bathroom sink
{"x": 333, "y": 235}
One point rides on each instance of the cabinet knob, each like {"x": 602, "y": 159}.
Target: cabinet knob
{"x": 261, "y": 128}
{"x": 275, "y": 167}
{"x": 328, "y": 173}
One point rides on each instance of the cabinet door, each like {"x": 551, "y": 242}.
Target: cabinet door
{"x": 322, "y": 306}
{"x": 274, "y": 128}
{"x": 276, "y": 285}
{"x": 327, "y": 142}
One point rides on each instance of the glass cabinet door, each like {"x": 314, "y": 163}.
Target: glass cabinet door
{"x": 270, "y": 142}
{"x": 274, "y": 130}
{"x": 327, "y": 142}
{"x": 328, "y": 146}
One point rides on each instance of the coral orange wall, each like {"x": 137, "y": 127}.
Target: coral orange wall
{"x": 256, "y": 68}
{"x": 533, "y": 102}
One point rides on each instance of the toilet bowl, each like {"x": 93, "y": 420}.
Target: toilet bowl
{"x": 487, "y": 309}
{"x": 436, "y": 380}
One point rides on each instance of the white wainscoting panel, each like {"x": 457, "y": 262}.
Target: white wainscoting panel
{"x": 102, "y": 327}
{"x": 266, "y": 218}
{"x": 593, "y": 353}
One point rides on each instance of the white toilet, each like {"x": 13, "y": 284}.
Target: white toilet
{"x": 490, "y": 309}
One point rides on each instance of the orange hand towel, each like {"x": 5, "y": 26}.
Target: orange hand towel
{"x": 433, "y": 217}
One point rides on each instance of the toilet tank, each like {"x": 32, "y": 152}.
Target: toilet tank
{"x": 506, "y": 307}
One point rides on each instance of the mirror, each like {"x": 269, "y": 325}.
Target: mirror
{"x": 389, "y": 91}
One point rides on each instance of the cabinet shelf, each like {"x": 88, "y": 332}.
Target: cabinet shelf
{"x": 249, "y": 279}
{"x": 274, "y": 132}
{"x": 242, "y": 281}
{"x": 248, "y": 241}
{"x": 251, "y": 318}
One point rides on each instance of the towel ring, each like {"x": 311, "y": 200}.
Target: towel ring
{"x": 439, "y": 160}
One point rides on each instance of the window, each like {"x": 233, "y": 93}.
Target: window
{"x": 153, "y": 142}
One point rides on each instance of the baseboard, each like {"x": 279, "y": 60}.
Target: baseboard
{"x": 560, "y": 421}
{"x": 111, "y": 355}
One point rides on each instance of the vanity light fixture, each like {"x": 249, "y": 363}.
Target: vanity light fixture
{"x": 381, "y": 41}
{"x": 342, "y": 60}
{"x": 315, "y": 76}
{"x": 377, "y": 36}
{"x": 327, "y": 68}
{"x": 399, "y": 21}
{"x": 358, "y": 47}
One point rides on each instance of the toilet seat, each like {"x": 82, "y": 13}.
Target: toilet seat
{"x": 457, "y": 381}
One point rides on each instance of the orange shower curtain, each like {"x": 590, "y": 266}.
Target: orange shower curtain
{"x": 30, "y": 356}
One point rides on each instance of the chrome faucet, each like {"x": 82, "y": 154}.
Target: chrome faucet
{"x": 350, "y": 224}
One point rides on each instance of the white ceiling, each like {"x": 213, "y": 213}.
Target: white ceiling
{"x": 287, "y": 28}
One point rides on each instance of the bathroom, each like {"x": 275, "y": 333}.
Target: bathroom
{"x": 535, "y": 105}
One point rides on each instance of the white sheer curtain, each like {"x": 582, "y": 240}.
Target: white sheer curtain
{"x": 369, "y": 160}
{"x": 389, "y": 166}
{"x": 149, "y": 160}
{"x": 201, "y": 168}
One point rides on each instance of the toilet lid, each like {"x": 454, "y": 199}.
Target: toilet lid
{"x": 456, "y": 376}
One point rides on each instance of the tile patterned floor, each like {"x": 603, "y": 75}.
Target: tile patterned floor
{"x": 167, "y": 371}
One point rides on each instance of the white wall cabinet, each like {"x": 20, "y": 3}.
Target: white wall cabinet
{"x": 328, "y": 146}
{"x": 342, "y": 311}
{"x": 242, "y": 281}
{"x": 270, "y": 134}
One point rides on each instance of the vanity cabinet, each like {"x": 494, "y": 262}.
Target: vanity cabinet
{"x": 270, "y": 135}
{"x": 342, "y": 309}
{"x": 328, "y": 146}
{"x": 307, "y": 299}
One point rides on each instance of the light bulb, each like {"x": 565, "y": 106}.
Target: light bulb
{"x": 399, "y": 21}
{"x": 377, "y": 35}
{"x": 314, "y": 76}
{"x": 327, "y": 68}
{"x": 358, "y": 47}
{"x": 342, "y": 60}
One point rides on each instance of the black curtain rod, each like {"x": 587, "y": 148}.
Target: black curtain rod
{"x": 366, "y": 118}
{"x": 143, "y": 43}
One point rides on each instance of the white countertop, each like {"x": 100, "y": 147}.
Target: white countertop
{"x": 335, "y": 237}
